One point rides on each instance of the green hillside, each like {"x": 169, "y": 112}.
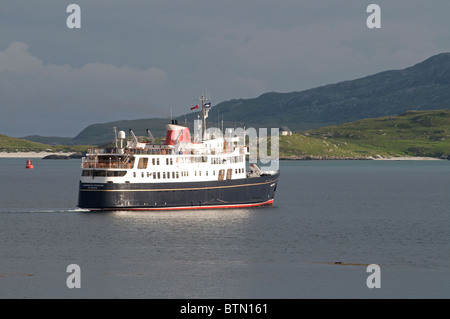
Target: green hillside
{"x": 414, "y": 133}
{"x": 8, "y": 144}
{"x": 424, "y": 86}
{"x": 12, "y": 144}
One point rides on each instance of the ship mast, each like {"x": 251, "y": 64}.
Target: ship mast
{"x": 202, "y": 100}
{"x": 206, "y": 106}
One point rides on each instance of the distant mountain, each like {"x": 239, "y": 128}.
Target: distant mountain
{"x": 413, "y": 133}
{"x": 424, "y": 86}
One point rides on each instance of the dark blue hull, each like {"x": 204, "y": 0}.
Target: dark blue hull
{"x": 248, "y": 192}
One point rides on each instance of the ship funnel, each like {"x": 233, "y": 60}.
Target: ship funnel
{"x": 177, "y": 133}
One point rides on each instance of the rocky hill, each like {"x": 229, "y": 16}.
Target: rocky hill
{"x": 424, "y": 86}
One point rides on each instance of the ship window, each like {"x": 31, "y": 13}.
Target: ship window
{"x": 164, "y": 174}
{"x": 199, "y": 173}
{"x": 206, "y": 173}
{"x": 167, "y": 161}
{"x": 153, "y": 161}
{"x": 221, "y": 174}
{"x": 178, "y": 176}
{"x": 229, "y": 173}
{"x": 116, "y": 173}
{"x": 99, "y": 173}
{"x": 173, "y": 174}
{"x": 154, "y": 175}
{"x": 171, "y": 161}
{"x": 168, "y": 174}
{"x": 143, "y": 162}
{"x": 157, "y": 161}
{"x": 159, "y": 175}
{"x": 134, "y": 174}
{"x": 214, "y": 173}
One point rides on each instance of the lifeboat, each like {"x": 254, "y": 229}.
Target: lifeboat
{"x": 29, "y": 164}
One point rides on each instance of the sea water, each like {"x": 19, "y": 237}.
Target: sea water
{"x": 330, "y": 220}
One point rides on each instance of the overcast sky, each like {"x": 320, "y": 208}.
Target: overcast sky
{"x": 141, "y": 58}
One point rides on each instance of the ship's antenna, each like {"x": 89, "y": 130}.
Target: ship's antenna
{"x": 203, "y": 117}
{"x": 115, "y": 135}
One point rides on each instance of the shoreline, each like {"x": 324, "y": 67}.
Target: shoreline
{"x": 409, "y": 158}
{"x": 294, "y": 158}
{"x": 31, "y": 154}
{"x": 399, "y": 158}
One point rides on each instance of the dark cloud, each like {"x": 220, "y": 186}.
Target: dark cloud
{"x": 134, "y": 59}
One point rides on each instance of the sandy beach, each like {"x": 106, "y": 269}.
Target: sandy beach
{"x": 29, "y": 154}
{"x": 407, "y": 158}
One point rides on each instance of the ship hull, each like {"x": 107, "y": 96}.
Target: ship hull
{"x": 248, "y": 192}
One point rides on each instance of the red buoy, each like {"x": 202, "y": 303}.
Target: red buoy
{"x": 29, "y": 164}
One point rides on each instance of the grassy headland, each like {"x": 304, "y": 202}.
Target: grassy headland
{"x": 413, "y": 133}
{"x": 12, "y": 144}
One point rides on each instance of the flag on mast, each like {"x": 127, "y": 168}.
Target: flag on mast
{"x": 195, "y": 107}
{"x": 207, "y": 105}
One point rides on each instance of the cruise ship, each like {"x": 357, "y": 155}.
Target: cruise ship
{"x": 181, "y": 173}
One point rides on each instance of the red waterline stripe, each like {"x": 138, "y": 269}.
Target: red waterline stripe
{"x": 269, "y": 202}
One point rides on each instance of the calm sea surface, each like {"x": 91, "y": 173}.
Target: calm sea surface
{"x": 330, "y": 220}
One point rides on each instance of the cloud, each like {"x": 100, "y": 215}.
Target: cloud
{"x": 38, "y": 97}
{"x": 308, "y": 55}
{"x": 138, "y": 59}
{"x": 17, "y": 59}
